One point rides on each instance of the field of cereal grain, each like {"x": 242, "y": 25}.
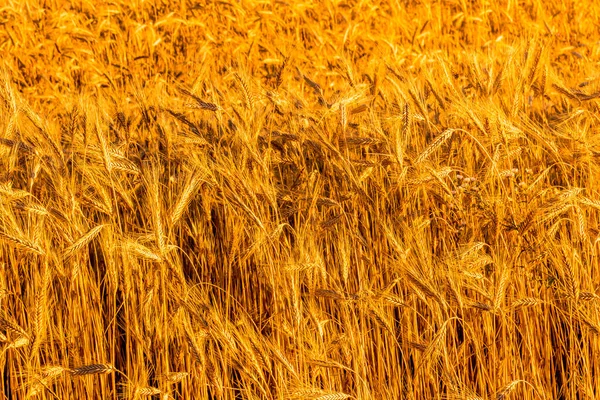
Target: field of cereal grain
{"x": 326, "y": 200}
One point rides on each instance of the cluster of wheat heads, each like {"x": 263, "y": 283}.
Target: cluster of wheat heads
{"x": 302, "y": 200}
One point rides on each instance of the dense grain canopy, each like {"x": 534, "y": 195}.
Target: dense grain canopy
{"x": 299, "y": 200}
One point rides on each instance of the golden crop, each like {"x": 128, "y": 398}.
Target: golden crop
{"x": 299, "y": 200}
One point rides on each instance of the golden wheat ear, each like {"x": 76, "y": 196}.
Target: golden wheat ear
{"x": 52, "y": 371}
{"x": 93, "y": 369}
{"x": 174, "y": 377}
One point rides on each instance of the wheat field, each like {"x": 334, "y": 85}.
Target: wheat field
{"x": 340, "y": 199}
